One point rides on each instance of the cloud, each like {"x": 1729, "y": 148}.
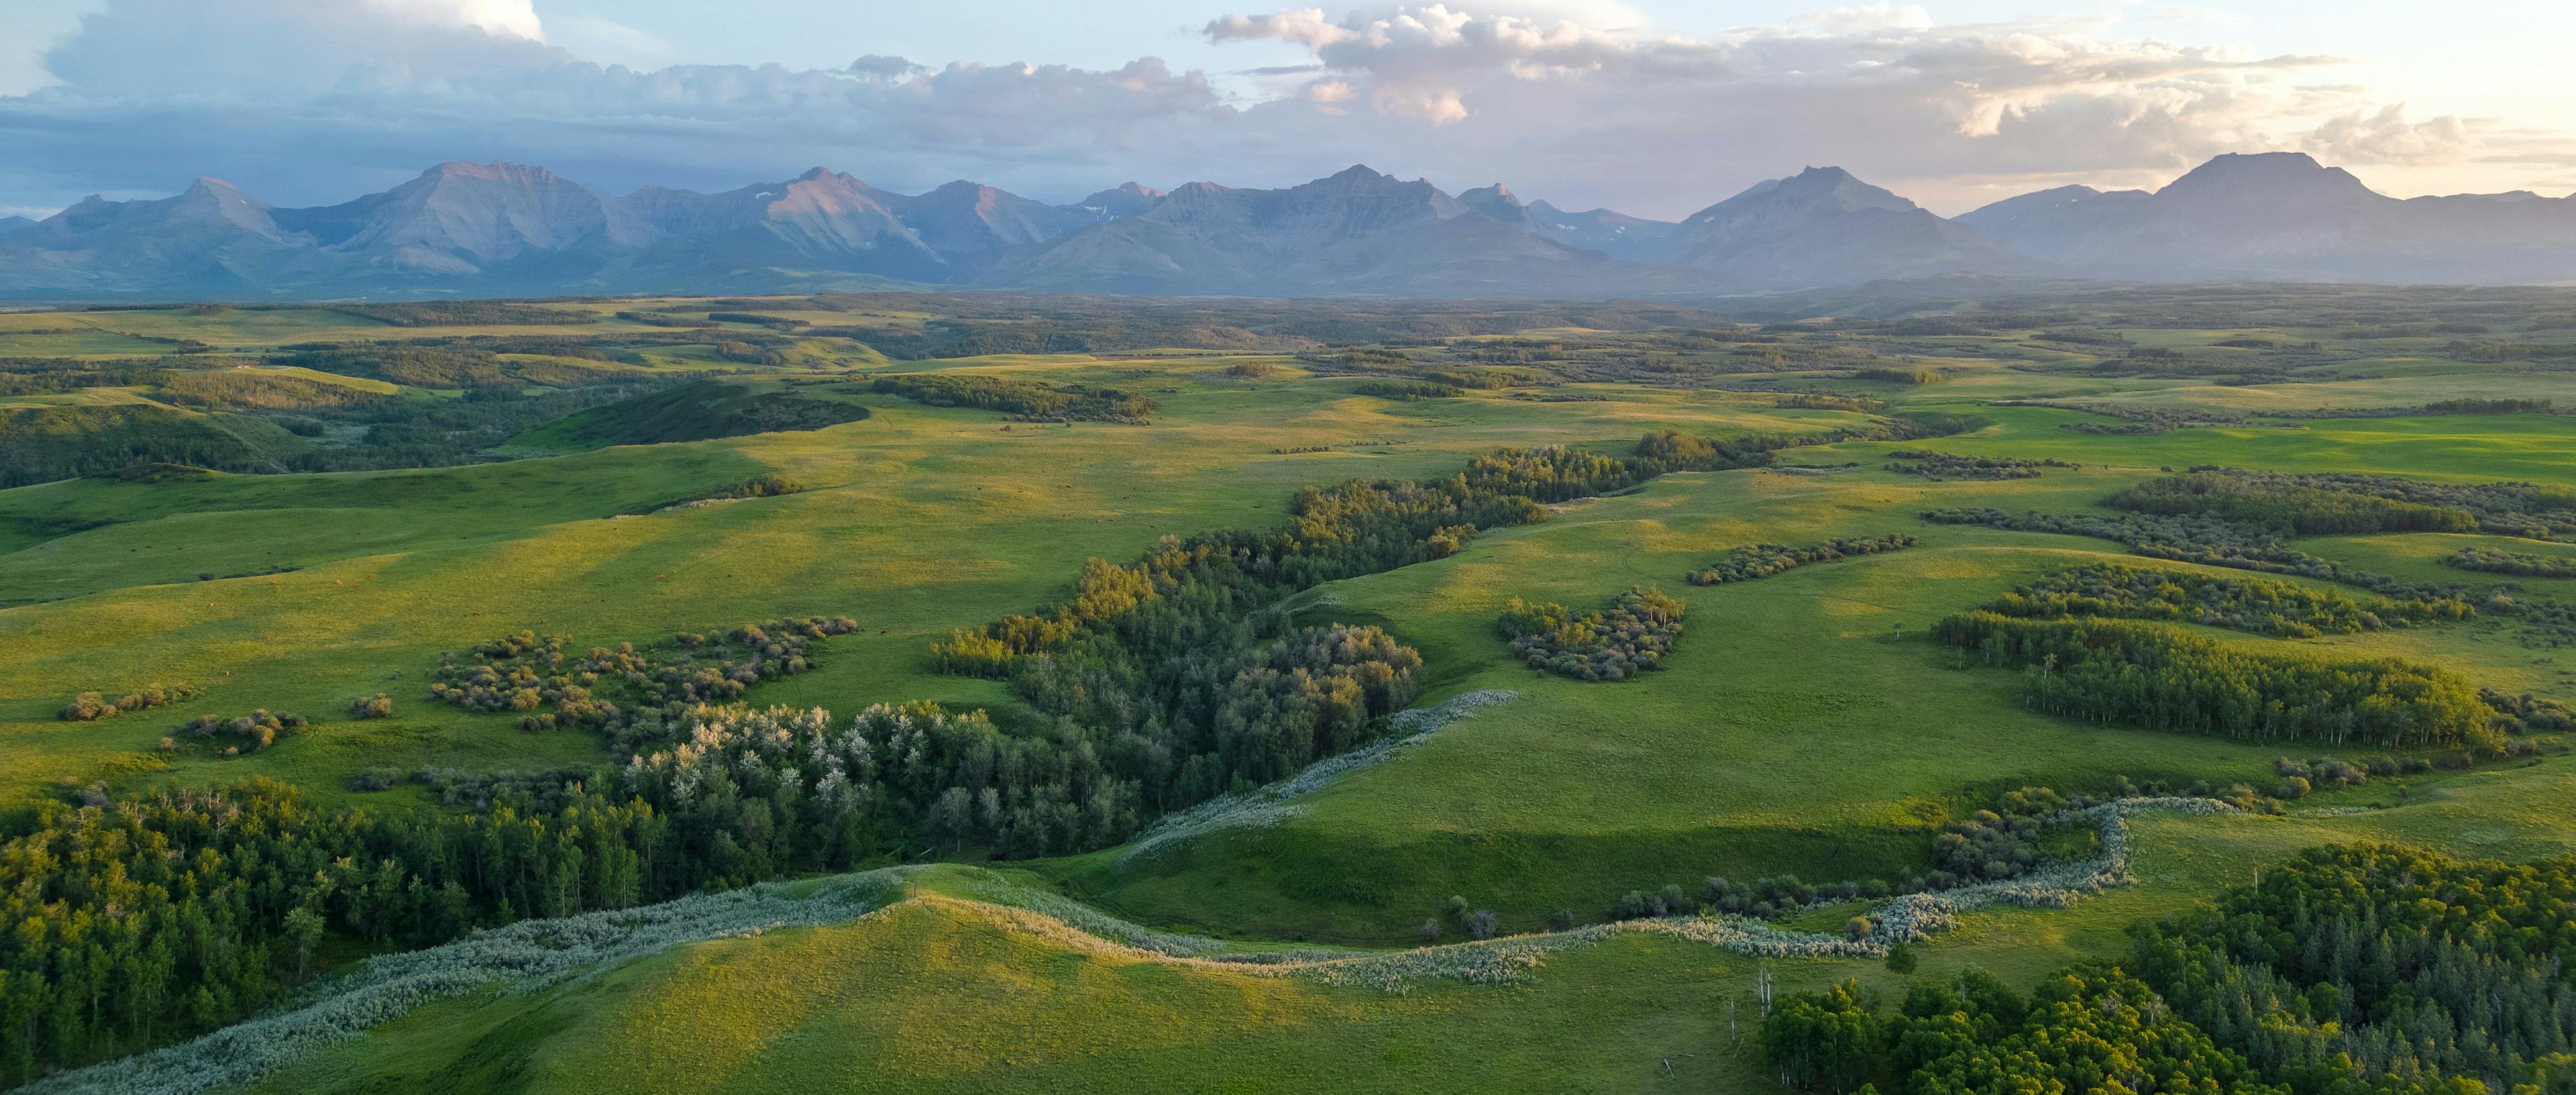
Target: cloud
{"x": 315, "y": 100}
{"x": 2386, "y": 137}
{"x": 1947, "y": 112}
{"x": 1577, "y": 101}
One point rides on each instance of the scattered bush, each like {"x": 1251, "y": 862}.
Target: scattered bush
{"x": 90, "y": 706}
{"x": 371, "y": 707}
{"x": 250, "y": 733}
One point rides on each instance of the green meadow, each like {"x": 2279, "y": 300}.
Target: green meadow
{"x": 1806, "y": 724}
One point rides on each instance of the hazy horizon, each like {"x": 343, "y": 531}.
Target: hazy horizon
{"x": 1652, "y": 109}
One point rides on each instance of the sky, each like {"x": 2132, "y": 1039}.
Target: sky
{"x": 1652, "y": 107}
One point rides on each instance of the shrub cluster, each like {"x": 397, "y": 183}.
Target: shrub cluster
{"x": 1753, "y": 561}
{"x": 1631, "y": 637}
{"x": 526, "y": 673}
{"x": 1942, "y": 466}
{"x": 2519, "y": 564}
{"x": 252, "y": 732}
{"x": 90, "y": 706}
{"x": 377, "y": 706}
{"x": 1894, "y": 375}
{"x": 2527, "y": 714}
{"x": 1998, "y": 843}
{"x": 2264, "y": 606}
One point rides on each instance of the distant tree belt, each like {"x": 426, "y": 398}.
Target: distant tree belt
{"x": 2160, "y": 677}
{"x": 2263, "y": 606}
{"x": 1406, "y": 390}
{"x": 2347, "y": 503}
{"x": 40, "y": 444}
{"x": 469, "y": 313}
{"x": 44, "y": 375}
{"x": 1020, "y": 397}
{"x": 1752, "y": 561}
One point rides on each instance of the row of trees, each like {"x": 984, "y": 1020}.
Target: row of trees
{"x": 2160, "y": 677}
{"x": 1751, "y": 561}
{"x": 2264, "y": 606}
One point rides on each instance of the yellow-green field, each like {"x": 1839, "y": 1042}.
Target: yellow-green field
{"x": 1805, "y": 724}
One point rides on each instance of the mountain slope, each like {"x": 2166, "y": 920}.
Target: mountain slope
{"x": 1355, "y": 232}
{"x": 1823, "y": 226}
{"x": 2282, "y": 214}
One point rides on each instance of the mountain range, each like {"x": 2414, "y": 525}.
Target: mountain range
{"x": 464, "y": 229}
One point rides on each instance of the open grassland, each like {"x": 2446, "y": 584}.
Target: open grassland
{"x": 1805, "y": 724}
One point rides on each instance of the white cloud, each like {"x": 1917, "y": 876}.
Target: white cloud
{"x": 2386, "y": 137}
{"x": 1577, "y": 101}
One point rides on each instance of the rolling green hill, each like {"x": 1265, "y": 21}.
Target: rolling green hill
{"x": 1649, "y": 853}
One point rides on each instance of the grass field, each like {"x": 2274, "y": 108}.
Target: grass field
{"x": 1805, "y": 724}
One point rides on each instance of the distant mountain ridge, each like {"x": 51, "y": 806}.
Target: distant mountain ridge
{"x": 500, "y": 229}
{"x": 2283, "y": 215}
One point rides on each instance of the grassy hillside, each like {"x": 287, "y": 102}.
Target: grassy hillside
{"x": 691, "y": 412}
{"x": 1805, "y": 723}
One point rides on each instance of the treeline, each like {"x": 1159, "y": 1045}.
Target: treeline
{"x": 151, "y": 919}
{"x": 2263, "y": 606}
{"x": 2345, "y": 971}
{"x": 2283, "y": 503}
{"x": 1028, "y": 399}
{"x": 48, "y": 375}
{"x": 2381, "y": 971}
{"x": 2160, "y": 678}
{"x": 2083, "y": 1030}
{"x": 1752, "y": 561}
{"x": 2519, "y": 564}
{"x": 1630, "y": 637}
